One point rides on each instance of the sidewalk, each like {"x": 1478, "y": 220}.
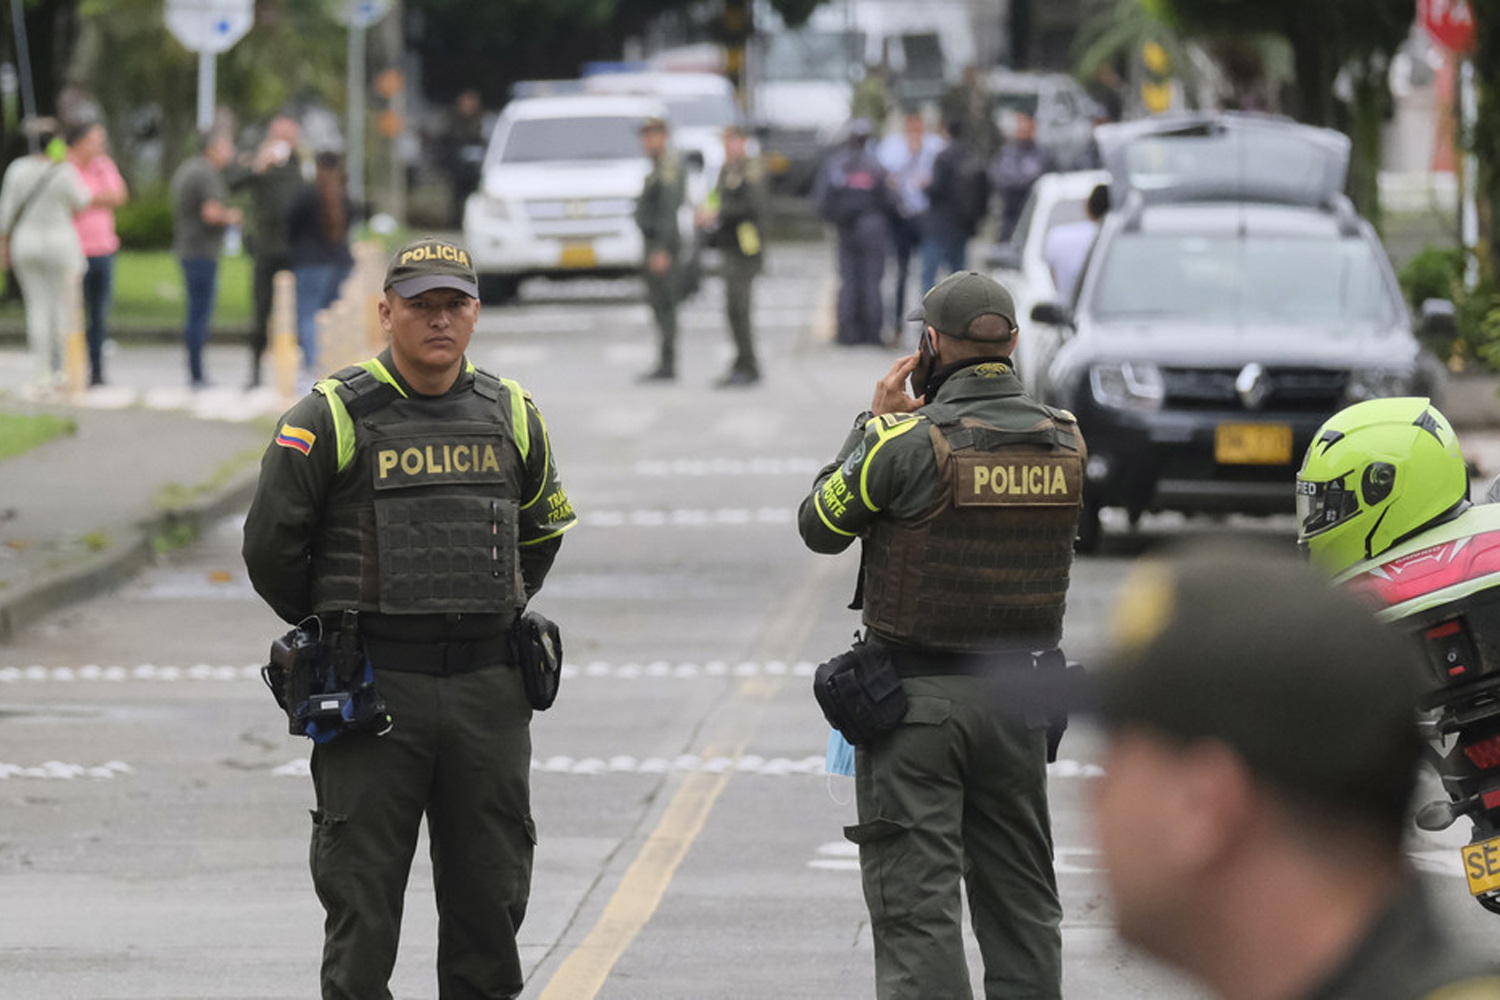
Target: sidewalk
{"x": 150, "y": 465}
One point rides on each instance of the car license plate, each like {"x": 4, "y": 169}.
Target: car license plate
{"x": 1482, "y": 865}
{"x": 1253, "y": 444}
{"x": 577, "y": 255}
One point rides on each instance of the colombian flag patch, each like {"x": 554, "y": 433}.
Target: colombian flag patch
{"x": 296, "y": 437}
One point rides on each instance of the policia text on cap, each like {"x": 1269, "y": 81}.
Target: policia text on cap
{"x": 965, "y": 497}
{"x": 420, "y": 493}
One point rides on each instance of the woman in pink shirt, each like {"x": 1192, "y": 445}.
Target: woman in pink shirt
{"x": 96, "y": 232}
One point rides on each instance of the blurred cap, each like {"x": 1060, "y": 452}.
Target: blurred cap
{"x": 654, "y": 123}
{"x": 953, "y": 303}
{"x": 430, "y": 263}
{"x": 1259, "y": 652}
{"x": 859, "y": 127}
{"x": 734, "y": 128}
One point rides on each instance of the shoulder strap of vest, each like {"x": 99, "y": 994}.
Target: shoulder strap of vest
{"x": 494, "y": 388}
{"x": 362, "y": 392}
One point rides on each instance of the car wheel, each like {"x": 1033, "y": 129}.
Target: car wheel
{"x": 498, "y": 289}
{"x": 1090, "y": 530}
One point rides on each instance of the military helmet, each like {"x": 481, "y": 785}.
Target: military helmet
{"x": 1376, "y": 473}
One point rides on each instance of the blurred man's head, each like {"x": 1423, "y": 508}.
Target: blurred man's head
{"x": 1097, "y": 205}
{"x": 1024, "y": 129}
{"x": 654, "y": 136}
{"x": 915, "y": 128}
{"x": 1257, "y": 721}
{"x": 218, "y": 146}
{"x": 734, "y": 142}
{"x": 284, "y": 128}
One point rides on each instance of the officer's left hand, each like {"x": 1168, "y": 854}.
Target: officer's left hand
{"x": 890, "y": 392}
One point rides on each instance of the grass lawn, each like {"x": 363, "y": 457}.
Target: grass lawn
{"x": 22, "y": 432}
{"x": 149, "y": 292}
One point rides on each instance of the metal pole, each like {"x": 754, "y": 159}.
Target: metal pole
{"x": 206, "y": 87}
{"x": 1468, "y": 219}
{"x": 356, "y": 112}
{"x": 23, "y": 57}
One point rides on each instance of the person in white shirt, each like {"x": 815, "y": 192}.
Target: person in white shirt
{"x": 908, "y": 157}
{"x": 1067, "y": 246}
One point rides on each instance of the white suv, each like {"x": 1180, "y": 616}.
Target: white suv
{"x": 558, "y": 192}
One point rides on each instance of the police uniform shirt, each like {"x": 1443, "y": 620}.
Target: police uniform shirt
{"x": 661, "y": 197}
{"x": 301, "y": 466}
{"x": 887, "y": 467}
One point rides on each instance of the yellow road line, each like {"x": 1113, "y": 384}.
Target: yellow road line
{"x": 583, "y": 973}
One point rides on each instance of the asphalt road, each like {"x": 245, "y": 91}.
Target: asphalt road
{"x": 153, "y": 825}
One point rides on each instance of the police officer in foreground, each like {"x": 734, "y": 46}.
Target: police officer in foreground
{"x": 965, "y": 496}
{"x": 420, "y": 493}
{"x": 1261, "y": 759}
{"x": 656, "y": 215}
{"x": 736, "y": 211}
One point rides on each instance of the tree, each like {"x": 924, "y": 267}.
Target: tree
{"x": 1330, "y": 39}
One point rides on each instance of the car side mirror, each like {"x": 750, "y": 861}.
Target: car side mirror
{"x": 1437, "y": 319}
{"x": 1003, "y": 257}
{"x": 1052, "y": 314}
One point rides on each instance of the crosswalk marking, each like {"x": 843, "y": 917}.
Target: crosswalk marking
{"x": 688, "y": 517}
{"x": 724, "y": 467}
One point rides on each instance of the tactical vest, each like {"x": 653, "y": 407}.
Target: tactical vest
{"x": 423, "y": 518}
{"x": 986, "y": 567}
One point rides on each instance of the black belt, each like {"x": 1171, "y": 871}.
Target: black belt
{"x": 911, "y": 662}
{"x": 437, "y": 658}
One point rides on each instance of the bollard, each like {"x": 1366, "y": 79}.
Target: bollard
{"x": 286, "y": 355}
{"x": 75, "y": 345}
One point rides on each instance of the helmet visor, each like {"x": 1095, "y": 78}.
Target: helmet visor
{"x": 1321, "y": 506}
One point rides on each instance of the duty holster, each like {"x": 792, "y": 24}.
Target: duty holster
{"x": 860, "y": 693}
{"x": 325, "y": 685}
{"x": 536, "y": 649}
{"x": 1059, "y": 682}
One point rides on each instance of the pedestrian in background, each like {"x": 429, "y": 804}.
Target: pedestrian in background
{"x": 38, "y": 198}
{"x": 736, "y": 214}
{"x": 970, "y": 103}
{"x": 318, "y": 247}
{"x": 96, "y": 233}
{"x": 1261, "y": 758}
{"x": 958, "y": 199}
{"x": 853, "y": 193}
{"x": 908, "y": 158}
{"x": 962, "y": 579}
{"x": 461, "y": 151}
{"x": 437, "y": 562}
{"x": 656, "y": 214}
{"x": 273, "y": 177}
{"x": 200, "y": 214}
{"x": 1012, "y": 173}
{"x": 1067, "y": 246}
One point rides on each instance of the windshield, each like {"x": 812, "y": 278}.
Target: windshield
{"x": 812, "y": 55}
{"x": 700, "y": 110}
{"x": 1017, "y": 101}
{"x": 604, "y": 137}
{"x": 1280, "y": 279}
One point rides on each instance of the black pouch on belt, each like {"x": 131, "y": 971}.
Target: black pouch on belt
{"x": 536, "y": 643}
{"x": 860, "y": 693}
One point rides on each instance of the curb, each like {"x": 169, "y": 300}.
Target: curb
{"x": 99, "y": 572}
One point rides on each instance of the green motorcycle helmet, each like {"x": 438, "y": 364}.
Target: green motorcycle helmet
{"x": 1375, "y": 474}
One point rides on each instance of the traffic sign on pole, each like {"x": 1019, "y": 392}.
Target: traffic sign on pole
{"x": 362, "y": 13}
{"x": 211, "y": 26}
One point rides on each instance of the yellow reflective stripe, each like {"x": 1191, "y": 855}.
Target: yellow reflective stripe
{"x": 520, "y": 428}
{"x": 818, "y": 506}
{"x": 374, "y": 367}
{"x": 343, "y": 425}
{"x": 883, "y": 433}
{"x": 552, "y": 534}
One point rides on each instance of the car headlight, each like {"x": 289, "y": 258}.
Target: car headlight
{"x": 1377, "y": 383}
{"x": 1129, "y": 385}
{"x": 495, "y": 208}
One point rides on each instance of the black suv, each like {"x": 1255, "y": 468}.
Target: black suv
{"x": 1232, "y": 302}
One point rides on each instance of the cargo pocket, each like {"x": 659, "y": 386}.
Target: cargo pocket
{"x": 882, "y": 842}
{"x": 324, "y": 855}
{"x": 924, "y": 710}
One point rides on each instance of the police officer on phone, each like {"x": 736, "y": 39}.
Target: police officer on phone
{"x": 419, "y": 492}
{"x": 965, "y": 497}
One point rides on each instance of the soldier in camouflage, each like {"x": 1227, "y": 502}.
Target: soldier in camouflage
{"x": 965, "y": 496}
